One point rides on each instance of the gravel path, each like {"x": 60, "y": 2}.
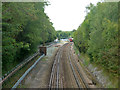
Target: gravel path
{"x": 39, "y": 76}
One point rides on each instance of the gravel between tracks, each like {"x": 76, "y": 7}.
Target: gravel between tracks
{"x": 69, "y": 80}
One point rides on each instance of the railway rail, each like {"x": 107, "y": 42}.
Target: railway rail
{"x": 55, "y": 80}
{"x": 77, "y": 74}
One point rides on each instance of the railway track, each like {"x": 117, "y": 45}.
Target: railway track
{"x": 59, "y": 77}
{"x": 56, "y": 80}
{"x": 81, "y": 83}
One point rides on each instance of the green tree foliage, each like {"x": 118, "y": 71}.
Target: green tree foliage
{"x": 97, "y": 36}
{"x": 24, "y": 27}
{"x": 64, "y": 34}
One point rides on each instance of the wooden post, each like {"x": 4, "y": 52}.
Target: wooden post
{"x": 43, "y": 50}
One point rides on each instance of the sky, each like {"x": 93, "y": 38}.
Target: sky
{"x": 67, "y": 15}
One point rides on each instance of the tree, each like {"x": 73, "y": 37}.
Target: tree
{"x": 24, "y": 27}
{"x": 98, "y": 35}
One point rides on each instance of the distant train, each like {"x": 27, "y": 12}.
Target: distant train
{"x": 71, "y": 39}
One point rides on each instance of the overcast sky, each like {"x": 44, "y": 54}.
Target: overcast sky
{"x": 67, "y": 15}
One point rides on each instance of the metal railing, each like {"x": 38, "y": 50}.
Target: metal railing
{"x": 17, "y": 67}
{"x": 24, "y": 75}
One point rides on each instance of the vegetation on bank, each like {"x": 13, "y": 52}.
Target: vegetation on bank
{"x": 97, "y": 36}
{"x": 24, "y": 27}
{"x": 110, "y": 80}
